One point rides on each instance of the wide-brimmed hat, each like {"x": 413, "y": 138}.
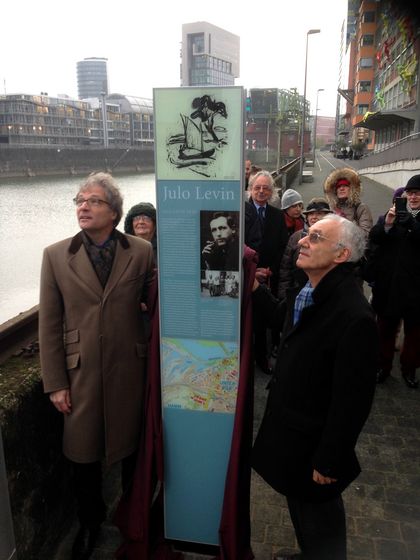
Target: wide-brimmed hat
{"x": 317, "y": 205}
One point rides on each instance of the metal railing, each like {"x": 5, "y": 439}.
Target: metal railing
{"x": 408, "y": 148}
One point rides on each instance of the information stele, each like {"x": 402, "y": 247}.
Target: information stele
{"x": 199, "y": 139}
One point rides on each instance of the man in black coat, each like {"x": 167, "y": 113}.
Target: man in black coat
{"x": 395, "y": 274}
{"x": 322, "y": 389}
{"x": 266, "y": 233}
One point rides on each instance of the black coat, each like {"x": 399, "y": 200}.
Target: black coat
{"x": 322, "y": 388}
{"x": 394, "y": 268}
{"x": 290, "y": 275}
{"x": 270, "y": 241}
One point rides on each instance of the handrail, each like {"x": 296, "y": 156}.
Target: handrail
{"x": 408, "y": 138}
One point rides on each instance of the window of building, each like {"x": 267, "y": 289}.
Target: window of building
{"x": 366, "y": 63}
{"x": 367, "y": 40}
{"x": 368, "y": 17}
{"x": 197, "y": 43}
{"x": 364, "y": 86}
{"x": 361, "y": 109}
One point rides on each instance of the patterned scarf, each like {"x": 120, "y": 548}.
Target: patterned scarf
{"x": 413, "y": 212}
{"x": 101, "y": 256}
{"x": 303, "y": 299}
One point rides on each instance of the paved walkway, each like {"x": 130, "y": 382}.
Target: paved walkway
{"x": 383, "y": 504}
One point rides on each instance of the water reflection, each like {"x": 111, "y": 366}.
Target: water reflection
{"x": 35, "y": 212}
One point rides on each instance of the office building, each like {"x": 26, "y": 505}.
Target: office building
{"x": 92, "y": 77}
{"x": 209, "y": 55}
{"x": 383, "y": 97}
{"x": 40, "y": 120}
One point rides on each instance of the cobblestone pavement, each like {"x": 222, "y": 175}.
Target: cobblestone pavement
{"x": 383, "y": 504}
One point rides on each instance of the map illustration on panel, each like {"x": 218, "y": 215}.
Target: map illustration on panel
{"x": 200, "y": 375}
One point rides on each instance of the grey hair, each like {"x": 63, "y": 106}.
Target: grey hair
{"x": 261, "y": 174}
{"x": 351, "y": 237}
{"x": 112, "y": 192}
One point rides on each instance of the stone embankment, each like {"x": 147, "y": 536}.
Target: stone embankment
{"x": 42, "y": 161}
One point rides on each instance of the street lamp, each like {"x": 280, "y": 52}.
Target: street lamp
{"x": 316, "y": 117}
{"x": 104, "y": 119}
{"x": 302, "y": 132}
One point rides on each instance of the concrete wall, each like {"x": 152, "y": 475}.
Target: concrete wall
{"x": 394, "y": 174}
{"x": 38, "y": 475}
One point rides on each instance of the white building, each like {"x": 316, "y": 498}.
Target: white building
{"x": 209, "y": 55}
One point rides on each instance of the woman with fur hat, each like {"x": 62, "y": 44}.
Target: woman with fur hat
{"x": 343, "y": 190}
{"x": 141, "y": 222}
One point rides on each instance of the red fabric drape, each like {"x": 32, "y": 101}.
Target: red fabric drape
{"x": 139, "y": 516}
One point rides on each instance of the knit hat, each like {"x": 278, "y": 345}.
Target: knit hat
{"x": 413, "y": 183}
{"x": 145, "y": 208}
{"x": 397, "y": 193}
{"x": 289, "y": 198}
{"x": 317, "y": 205}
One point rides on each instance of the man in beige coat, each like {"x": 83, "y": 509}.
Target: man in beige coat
{"x": 93, "y": 345}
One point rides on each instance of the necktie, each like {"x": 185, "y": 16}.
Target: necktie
{"x": 261, "y": 215}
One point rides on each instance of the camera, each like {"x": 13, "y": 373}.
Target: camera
{"x": 401, "y": 213}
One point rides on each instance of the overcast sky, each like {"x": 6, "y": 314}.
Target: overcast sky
{"x": 42, "y": 42}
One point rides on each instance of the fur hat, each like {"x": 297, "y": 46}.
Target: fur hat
{"x": 317, "y": 205}
{"x": 145, "y": 208}
{"x": 289, "y": 198}
{"x": 348, "y": 175}
{"x": 413, "y": 183}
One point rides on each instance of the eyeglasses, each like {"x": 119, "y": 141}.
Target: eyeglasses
{"x": 261, "y": 188}
{"x": 142, "y": 217}
{"x": 412, "y": 193}
{"x": 315, "y": 237}
{"x": 92, "y": 201}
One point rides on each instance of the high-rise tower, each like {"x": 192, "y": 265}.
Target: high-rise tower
{"x": 92, "y": 77}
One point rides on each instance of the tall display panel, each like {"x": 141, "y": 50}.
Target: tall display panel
{"x": 199, "y": 168}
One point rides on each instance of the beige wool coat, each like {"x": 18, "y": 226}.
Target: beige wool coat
{"x": 93, "y": 341}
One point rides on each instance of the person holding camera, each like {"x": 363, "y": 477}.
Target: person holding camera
{"x": 395, "y": 276}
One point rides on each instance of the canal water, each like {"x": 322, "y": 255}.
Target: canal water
{"x": 35, "y": 212}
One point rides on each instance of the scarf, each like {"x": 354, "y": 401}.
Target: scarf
{"x": 293, "y": 224}
{"x": 101, "y": 256}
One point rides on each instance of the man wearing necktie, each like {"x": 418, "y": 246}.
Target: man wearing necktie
{"x": 266, "y": 233}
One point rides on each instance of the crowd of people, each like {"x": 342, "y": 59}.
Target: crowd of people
{"x": 326, "y": 347}
{"x": 335, "y": 343}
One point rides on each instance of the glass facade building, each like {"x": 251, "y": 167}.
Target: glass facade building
{"x": 49, "y": 121}
{"x": 210, "y": 55}
{"x": 92, "y": 77}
